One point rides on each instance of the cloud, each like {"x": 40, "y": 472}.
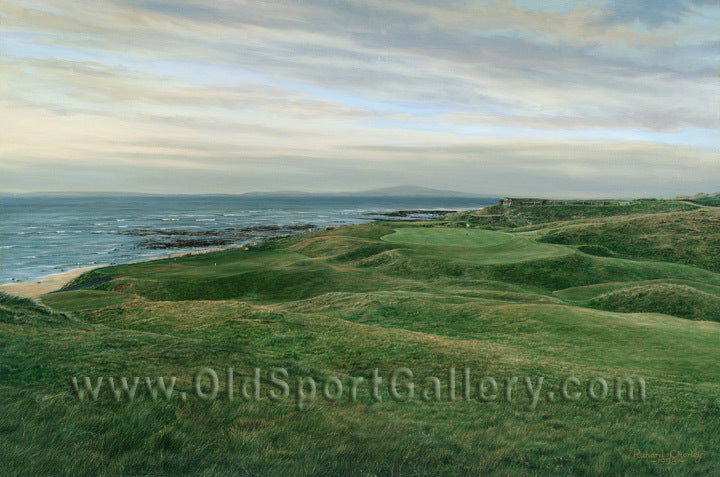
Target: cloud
{"x": 538, "y": 168}
{"x": 652, "y": 13}
{"x": 191, "y": 85}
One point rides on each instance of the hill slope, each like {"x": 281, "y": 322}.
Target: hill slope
{"x": 678, "y": 300}
{"x": 519, "y": 215}
{"x": 684, "y": 237}
{"x": 341, "y": 303}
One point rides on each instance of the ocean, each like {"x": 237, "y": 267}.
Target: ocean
{"x": 43, "y": 235}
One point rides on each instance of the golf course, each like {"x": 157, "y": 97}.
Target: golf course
{"x": 578, "y": 295}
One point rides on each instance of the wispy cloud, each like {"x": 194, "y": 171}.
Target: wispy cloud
{"x": 275, "y": 90}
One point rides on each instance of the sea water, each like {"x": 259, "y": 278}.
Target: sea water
{"x": 42, "y": 235}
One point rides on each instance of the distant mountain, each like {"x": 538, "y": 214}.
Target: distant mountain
{"x": 414, "y": 191}
{"x": 77, "y": 194}
{"x": 275, "y": 193}
{"x": 399, "y": 191}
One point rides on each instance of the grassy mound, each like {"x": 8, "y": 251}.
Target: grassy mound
{"x": 691, "y": 238}
{"x": 581, "y": 270}
{"x": 17, "y": 310}
{"x": 582, "y": 294}
{"x": 86, "y": 299}
{"x": 598, "y": 250}
{"x": 327, "y": 246}
{"x": 342, "y": 303}
{"x": 677, "y": 300}
{"x": 709, "y": 200}
{"x": 525, "y": 215}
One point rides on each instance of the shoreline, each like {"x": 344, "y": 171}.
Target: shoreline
{"x": 55, "y": 281}
{"x": 45, "y": 284}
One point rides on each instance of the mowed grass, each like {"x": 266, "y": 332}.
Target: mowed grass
{"x": 342, "y": 303}
{"x": 86, "y": 299}
{"x": 453, "y": 237}
{"x": 473, "y": 245}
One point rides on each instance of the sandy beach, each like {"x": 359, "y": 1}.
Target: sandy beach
{"x": 46, "y": 284}
{"x": 56, "y": 281}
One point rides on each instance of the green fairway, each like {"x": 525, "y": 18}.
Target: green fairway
{"x": 85, "y": 299}
{"x": 473, "y": 245}
{"x": 452, "y": 237}
{"x": 343, "y": 302}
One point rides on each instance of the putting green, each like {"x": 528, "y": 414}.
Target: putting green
{"x": 452, "y": 237}
{"x": 474, "y": 245}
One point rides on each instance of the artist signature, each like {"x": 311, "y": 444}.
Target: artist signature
{"x": 671, "y": 457}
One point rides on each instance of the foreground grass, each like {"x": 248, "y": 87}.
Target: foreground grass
{"x": 347, "y": 301}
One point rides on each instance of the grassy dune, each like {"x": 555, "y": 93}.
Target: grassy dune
{"x": 692, "y": 238}
{"x": 523, "y": 216}
{"x": 426, "y": 296}
{"x": 679, "y": 300}
{"x": 708, "y": 200}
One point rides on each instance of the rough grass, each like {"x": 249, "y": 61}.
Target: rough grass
{"x": 346, "y": 301}
{"x": 581, "y": 294}
{"x": 691, "y": 238}
{"x": 708, "y": 200}
{"x": 521, "y": 216}
{"x": 671, "y": 299}
{"x": 17, "y": 310}
{"x": 713, "y": 201}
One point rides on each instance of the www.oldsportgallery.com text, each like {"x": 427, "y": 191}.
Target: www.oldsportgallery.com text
{"x": 401, "y": 385}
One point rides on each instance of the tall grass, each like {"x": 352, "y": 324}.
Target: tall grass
{"x": 346, "y": 301}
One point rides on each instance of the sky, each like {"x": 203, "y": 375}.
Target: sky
{"x": 507, "y": 97}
